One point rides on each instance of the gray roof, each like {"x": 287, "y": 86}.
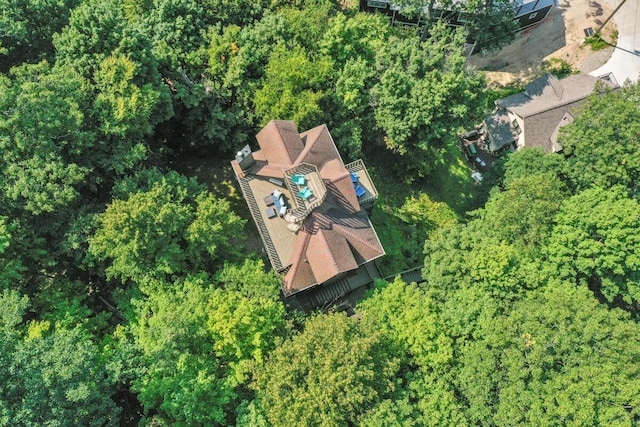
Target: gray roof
{"x": 498, "y": 127}
{"x": 544, "y": 104}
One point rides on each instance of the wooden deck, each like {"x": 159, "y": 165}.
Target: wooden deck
{"x": 364, "y": 180}
{"x": 280, "y": 235}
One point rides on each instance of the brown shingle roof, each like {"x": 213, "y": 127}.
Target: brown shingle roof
{"x": 329, "y": 254}
{"x": 332, "y": 242}
{"x": 337, "y": 236}
{"x": 280, "y": 142}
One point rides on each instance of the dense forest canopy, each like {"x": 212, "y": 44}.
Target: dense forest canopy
{"x": 132, "y": 294}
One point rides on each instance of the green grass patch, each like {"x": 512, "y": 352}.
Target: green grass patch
{"x": 558, "y": 67}
{"x": 597, "y": 42}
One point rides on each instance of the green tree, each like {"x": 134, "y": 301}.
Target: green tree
{"x": 327, "y": 375}
{"x": 43, "y": 136}
{"x": 125, "y": 109}
{"x": 409, "y": 319}
{"x": 198, "y": 344}
{"x": 28, "y": 27}
{"x": 596, "y": 242}
{"x": 293, "y": 88}
{"x": 534, "y": 161}
{"x": 249, "y": 279}
{"x": 354, "y": 37}
{"x": 51, "y": 375}
{"x": 10, "y": 264}
{"x": 602, "y": 144}
{"x": 522, "y": 214}
{"x": 168, "y": 226}
{"x": 425, "y": 96}
{"x": 558, "y": 358}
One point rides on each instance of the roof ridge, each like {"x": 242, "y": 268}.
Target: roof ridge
{"x": 347, "y": 231}
{"x": 309, "y": 144}
{"x": 296, "y": 257}
{"x": 279, "y": 137}
{"x": 555, "y": 107}
{"x": 321, "y": 231}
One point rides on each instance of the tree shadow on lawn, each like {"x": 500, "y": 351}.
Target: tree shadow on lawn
{"x": 214, "y": 171}
{"x": 402, "y": 238}
{"x": 450, "y": 182}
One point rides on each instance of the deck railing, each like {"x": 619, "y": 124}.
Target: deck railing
{"x": 359, "y": 167}
{"x": 302, "y": 207}
{"x": 262, "y": 227}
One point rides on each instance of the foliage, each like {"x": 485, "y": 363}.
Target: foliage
{"x": 425, "y": 96}
{"x": 505, "y": 329}
{"x": 50, "y": 377}
{"x": 249, "y": 279}
{"x": 492, "y": 25}
{"x": 596, "y": 42}
{"x": 326, "y": 375}
{"x": 602, "y": 142}
{"x": 43, "y": 136}
{"x": 11, "y": 266}
{"x": 292, "y": 89}
{"x": 427, "y": 213}
{"x": 523, "y": 212}
{"x": 560, "y": 355}
{"x": 125, "y": 109}
{"x": 596, "y": 240}
{"x": 163, "y": 230}
{"x": 197, "y": 346}
{"x": 558, "y": 67}
{"x": 534, "y": 161}
{"x": 28, "y": 27}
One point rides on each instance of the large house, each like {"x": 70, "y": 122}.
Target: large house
{"x": 311, "y": 211}
{"x": 534, "y": 117}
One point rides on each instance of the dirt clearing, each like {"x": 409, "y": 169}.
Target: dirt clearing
{"x": 560, "y": 35}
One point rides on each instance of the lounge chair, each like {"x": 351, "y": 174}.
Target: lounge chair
{"x": 359, "y": 191}
{"x": 305, "y": 193}
{"x": 298, "y": 179}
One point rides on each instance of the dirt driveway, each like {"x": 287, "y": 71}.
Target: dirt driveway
{"x": 560, "y": 35}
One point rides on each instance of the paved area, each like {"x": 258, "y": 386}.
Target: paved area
{"x": 625, "y": 60}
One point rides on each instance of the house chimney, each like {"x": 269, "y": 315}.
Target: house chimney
{"x": 245, "y": 158}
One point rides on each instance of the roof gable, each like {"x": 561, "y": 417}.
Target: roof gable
{"x": 334, "y": 235}
{"x": 280, "y": 142}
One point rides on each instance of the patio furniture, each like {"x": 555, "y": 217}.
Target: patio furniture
{"x": 271, "y": 212}
{"x": 359, "y": 190}
{"x": 276, "y": 181}
{"x": 279, "y": 204}
{"x": 305, "y": 193}
{"x": 354, "y": 177}
{"x": 268, "y": 200}
{"x": 276, "y": 194}
{"x": 298, "y": 179}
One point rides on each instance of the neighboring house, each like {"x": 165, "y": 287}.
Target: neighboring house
{"x": 311, "y": 212}
{"x": 527, "y": 13}
{"x": 534, "y": 117}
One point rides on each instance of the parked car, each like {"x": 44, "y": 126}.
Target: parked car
{"x": 477, "y": 177}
